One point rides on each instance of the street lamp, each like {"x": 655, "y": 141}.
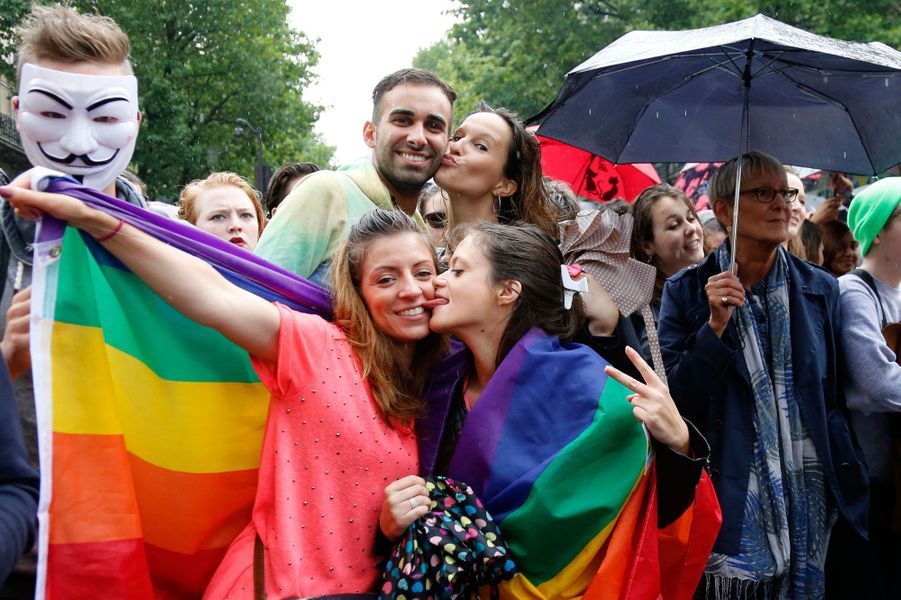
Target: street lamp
{"x": 262, "y": 171}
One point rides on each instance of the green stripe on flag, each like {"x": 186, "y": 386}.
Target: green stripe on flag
{"x": 138, "y": 322}
{"x": 582, "y": 489}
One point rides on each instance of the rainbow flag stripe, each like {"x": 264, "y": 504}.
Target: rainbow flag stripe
{"x": 555, "y": 453}
{"x": 150, "y": 424}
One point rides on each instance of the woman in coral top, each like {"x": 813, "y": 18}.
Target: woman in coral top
{"x": 343, "y": 395}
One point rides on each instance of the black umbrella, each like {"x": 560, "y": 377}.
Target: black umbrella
{"x": 701, "y": 95}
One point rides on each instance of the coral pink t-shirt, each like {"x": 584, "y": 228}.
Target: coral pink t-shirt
{"x": 326, "y": 459}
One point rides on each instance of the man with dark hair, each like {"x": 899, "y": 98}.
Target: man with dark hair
{"x": 283, "y": 181}
{"x": 411, "y": 117}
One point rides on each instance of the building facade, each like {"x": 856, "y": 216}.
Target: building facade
{"x": 12, "y": 156}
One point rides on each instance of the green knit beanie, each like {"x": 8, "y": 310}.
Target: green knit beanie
{"x": 871, "y": 209}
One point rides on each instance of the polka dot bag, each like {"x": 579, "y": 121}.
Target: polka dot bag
{"x": 450, "y": 552}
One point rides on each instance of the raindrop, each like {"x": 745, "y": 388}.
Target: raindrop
{"x": 589, "y": 112}
{"x": 886, "y": 82}
{"x": 658, "y": 114}
{"x": 844, "y": 154}
{"x": 686, "y": 113}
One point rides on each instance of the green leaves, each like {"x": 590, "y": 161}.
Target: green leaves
{"x": 201, "y": 64}
{"x": 11, "y": 13}
{"x": 515, "y": 53}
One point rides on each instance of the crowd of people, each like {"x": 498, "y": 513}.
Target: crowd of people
{"x": 442, "y": 258}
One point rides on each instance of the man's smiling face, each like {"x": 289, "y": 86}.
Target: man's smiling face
{"x": 410, "y": 135}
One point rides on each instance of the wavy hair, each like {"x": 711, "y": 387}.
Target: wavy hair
{"x": 398, "y": 391}
{"x": 530, "y": 203}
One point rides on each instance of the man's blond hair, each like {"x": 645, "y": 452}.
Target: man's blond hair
{"x": 61, "y": 33}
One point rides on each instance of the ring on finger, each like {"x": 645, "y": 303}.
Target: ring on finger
{"x": 725, "y": 301}
{"x": 413, "y": 503}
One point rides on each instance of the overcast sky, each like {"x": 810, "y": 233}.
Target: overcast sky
{"x": 361, "y": 41}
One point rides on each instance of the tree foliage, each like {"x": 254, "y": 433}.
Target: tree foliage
{"x": 201, "y": 64}
{"x": 11, "y": 13}
{"x": 515, "y": 53}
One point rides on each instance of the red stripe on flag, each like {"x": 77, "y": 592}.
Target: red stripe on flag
{"x": 643, "y": 562}
{"x": 121, "y": 569}
{"x": 177, "y": 575}
{"x": 114, "y": 569}
{"x": 625, "y": 571}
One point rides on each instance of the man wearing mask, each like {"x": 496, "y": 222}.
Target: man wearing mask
{"x": 76, "y": 112}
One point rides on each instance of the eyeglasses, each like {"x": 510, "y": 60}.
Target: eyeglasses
{"x": 436, "y": 220}
{"x": 767, "y": 194}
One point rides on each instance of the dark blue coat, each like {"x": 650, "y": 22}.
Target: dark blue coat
{"x": 18, "y": 484}
{"x": 709, "y": 381}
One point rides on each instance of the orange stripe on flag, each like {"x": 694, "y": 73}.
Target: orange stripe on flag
{"x": 615, "y": 578}
{"x": 93, "y": 497}
{"x": 190, "y": 512}
{"x": 102, "y": 493}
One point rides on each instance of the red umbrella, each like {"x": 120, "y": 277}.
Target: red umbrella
{"x": 591, "y": 176}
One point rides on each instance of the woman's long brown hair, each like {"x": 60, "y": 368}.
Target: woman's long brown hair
{"x": 397, "y": 390}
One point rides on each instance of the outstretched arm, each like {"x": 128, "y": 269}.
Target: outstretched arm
{"x": 190, "y": 285}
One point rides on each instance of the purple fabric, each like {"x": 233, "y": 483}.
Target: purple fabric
{"x": 233, "y": 262}
{"x": 478, "y": 442}
{"x": 439, "y": 397}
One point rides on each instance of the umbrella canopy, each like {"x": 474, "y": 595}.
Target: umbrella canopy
{"x": 592, "y": 176}
{"x": 709, "y": 94}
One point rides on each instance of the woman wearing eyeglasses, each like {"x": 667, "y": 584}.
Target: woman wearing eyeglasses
{"x": 752, "y": 360}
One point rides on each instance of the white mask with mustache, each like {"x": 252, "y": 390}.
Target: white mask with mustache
{"x": 83, "y": 125}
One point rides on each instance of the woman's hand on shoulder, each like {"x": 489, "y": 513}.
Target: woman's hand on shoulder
{"x": 406, "y": 500}
{"x": 653, "y": 405}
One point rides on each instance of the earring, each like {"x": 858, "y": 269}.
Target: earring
{"x": 497, "y": 205}
{"x": 728, "y": 228}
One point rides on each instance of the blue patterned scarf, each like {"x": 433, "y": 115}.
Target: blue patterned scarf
{"x": 786, "y": 523}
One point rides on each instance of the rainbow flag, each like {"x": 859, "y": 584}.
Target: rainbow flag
{"x": 150, "y": 424}
{"x": 556, "y": 455}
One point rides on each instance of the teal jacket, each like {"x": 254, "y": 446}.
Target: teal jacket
{"x": 317, "y": 215}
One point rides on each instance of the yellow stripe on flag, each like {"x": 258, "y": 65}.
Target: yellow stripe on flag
{"x": 189, "y": 427}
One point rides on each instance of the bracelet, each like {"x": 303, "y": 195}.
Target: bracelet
{"x": 112, "y": 233}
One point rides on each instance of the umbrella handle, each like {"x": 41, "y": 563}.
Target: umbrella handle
{"x": 744, "y": 128}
